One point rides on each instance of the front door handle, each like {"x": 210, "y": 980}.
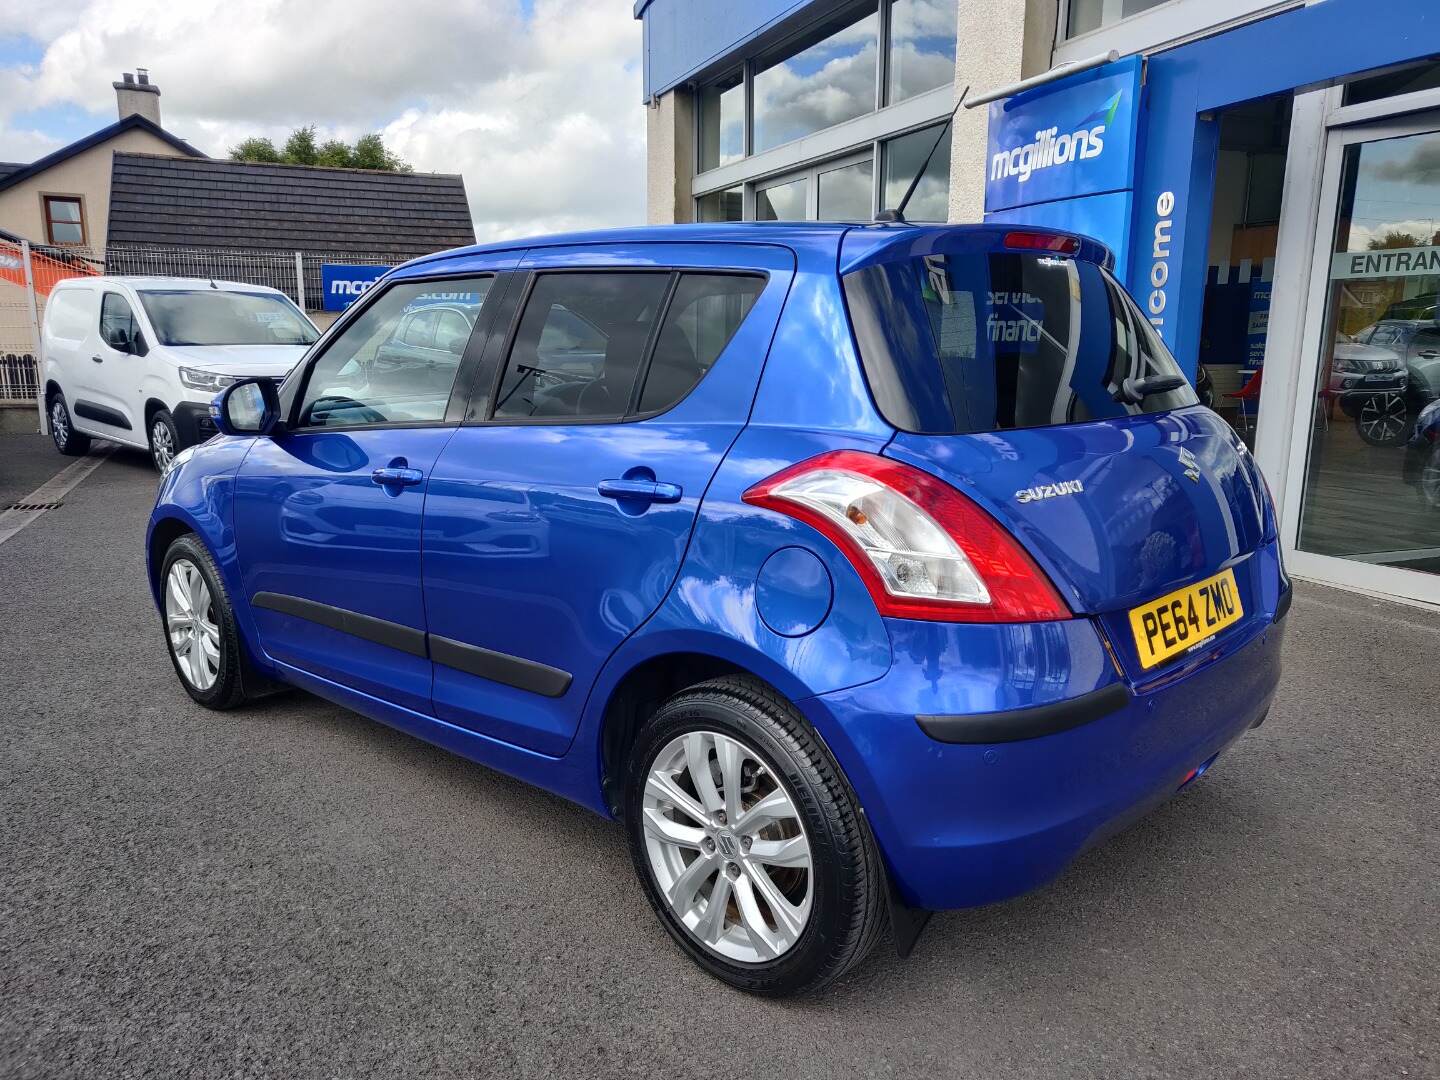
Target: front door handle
{"x": 647, "y": 490}
{"x": 98, "y": 359}
{"x": 397, "y": 476}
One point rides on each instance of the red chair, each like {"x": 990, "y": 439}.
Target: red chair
{"x": 1246, "y": 394}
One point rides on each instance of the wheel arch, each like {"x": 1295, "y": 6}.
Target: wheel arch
{"x": 633, "y": 689}
{"x": 164, "y": 531}
{"x": 152, "y": 406}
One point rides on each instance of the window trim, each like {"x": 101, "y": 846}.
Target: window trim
{"x": 460, "y": 390}
{"x": 642, "y": 372}
{"x": 47, "y": 222}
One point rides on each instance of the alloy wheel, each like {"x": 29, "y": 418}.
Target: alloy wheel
{"x": 162, "y": 446}
{"x": 59, "y": 422}
{"x": 1382, "y": 418}
{"x": 727, "y": 847}
{"x": 190, "y": 622}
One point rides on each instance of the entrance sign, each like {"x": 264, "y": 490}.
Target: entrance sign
{"x": 1386, "y": 263}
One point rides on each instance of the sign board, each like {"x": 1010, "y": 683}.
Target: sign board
{"x": 343, "y": 283}
{"x": 1386, "y": 263}
{"x": 1067, "y": 139}
{"x": 1258, "y": 324}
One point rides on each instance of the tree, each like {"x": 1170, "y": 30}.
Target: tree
{"x": 255, "y": 150}
{"x": 1394, "y": 238}
{"x": 301, "y": 148}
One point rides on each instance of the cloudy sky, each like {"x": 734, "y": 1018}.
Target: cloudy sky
{"x": 536, "y": 102}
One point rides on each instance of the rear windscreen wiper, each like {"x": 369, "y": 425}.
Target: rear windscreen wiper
{"x": 1133, "y": 391}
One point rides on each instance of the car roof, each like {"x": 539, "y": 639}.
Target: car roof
{"x": 870, "y": 240}
{"x": 143, "y": 281}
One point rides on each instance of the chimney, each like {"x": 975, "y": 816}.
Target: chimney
{"x": 136, "y": 95}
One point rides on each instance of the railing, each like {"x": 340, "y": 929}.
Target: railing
{"x": 29, "y": 272}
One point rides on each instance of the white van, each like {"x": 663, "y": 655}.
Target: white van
{"x": 137, "y": 360}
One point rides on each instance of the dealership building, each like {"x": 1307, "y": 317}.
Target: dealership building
{"x": 1266, "y": 174}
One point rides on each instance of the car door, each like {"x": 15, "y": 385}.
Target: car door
{"x": 109, "y": 398}
{"x": 328, "y": 512}
{"x": 559, "y": 514}
{"x": 1424, "y": 362}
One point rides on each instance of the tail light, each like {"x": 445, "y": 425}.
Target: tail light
{"x": 924, "y": 550}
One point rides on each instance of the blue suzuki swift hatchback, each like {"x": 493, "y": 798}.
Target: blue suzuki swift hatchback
{"x": 861, "y": 571}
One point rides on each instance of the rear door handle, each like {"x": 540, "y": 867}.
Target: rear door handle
{"x": 396, "y": 476}
{"x": 648, "y": 490}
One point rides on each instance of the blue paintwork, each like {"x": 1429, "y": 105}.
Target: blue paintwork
{"x": 509, "y": 543}
{"x": 793, "y": 592}
{"x": 683, "y": 38}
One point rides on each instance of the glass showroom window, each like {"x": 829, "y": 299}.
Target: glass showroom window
{"x": 817, "y": 81}
{"x": 1087, "y": 15}
{"x": 931, "y": 201}
{"x": 727, "y": 205}
{"x": 722, "y": 121}
{"x": 922, "y": 47}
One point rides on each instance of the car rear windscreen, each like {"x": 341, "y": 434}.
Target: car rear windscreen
{"x": 963, "y": 343}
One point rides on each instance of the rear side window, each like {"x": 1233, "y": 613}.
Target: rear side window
{"x": 69, "y": 312}
{"x": 956, "y": 344}
{"x": 703, "y": 316}
{"x": 587, "y": 346}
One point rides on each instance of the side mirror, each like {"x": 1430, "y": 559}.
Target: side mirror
{"x": 251, "y": 407}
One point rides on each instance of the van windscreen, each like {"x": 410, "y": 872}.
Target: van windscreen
{"x": 225, "y": 317}
{"x": 964, "y": 343}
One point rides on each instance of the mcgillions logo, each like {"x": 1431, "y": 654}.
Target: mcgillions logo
{"x": 1049, "y": 491}
{"x": 1050, "y": 148}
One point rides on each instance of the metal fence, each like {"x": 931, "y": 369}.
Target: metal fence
{"x": 28, "y": 273}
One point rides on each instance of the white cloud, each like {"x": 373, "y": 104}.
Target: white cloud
{"x": 543, "y": 117}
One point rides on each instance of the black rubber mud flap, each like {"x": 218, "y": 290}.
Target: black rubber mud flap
{"x": 906, "y": 922}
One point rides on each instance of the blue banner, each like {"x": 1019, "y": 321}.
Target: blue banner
{"x": 344, "y": 283}
{"x": 1071, "y": 138}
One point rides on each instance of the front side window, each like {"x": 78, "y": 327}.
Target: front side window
{"x": 391, "y": 365}
{"x": 580, "y": 344}
{"x": 958, "y": 344}
{"x": 225, "y": 317}
{"x": 117, "y": 323}
{"x": 64, "y": 219}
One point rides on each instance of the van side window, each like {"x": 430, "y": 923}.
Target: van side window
{"x": 703, "y": 316}
{"x": 118, "y": 327}
{"x": 580, "y": 345}
{"x": 388, "y": 366}
{"x": 69, "y": 312}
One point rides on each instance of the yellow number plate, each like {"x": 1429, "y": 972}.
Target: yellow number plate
{"x": 1184, "y": 618}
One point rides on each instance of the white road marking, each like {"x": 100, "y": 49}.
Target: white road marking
{"x": 53, "y": 490}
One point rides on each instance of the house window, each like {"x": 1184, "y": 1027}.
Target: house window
{"x": 64, "y": 219}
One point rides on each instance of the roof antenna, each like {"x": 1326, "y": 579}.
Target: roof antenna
{"x": 898, "y": 214}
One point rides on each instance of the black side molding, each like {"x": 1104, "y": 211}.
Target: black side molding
{"x": 499, "y": 667}
{"x": 101, "y": 414}
{"x": 406, "y": 639}
{"x": 1032, "y": 723}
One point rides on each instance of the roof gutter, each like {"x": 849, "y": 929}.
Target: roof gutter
{"x": 1059, "y": 71}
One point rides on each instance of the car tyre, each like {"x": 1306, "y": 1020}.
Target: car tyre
{"x": 199, "y": 624}
{"x": 1383, "y": 420}
{"x": 62, "y": 431}
{"x": 824, "y": 917}
{"x": 164, "y": 439}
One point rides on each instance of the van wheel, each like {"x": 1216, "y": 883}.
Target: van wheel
{"x": 200, "y": 630}
{"x": 164, "y": 440}
{"x": 749, "y": 842}
{"x": 67, "y": 439}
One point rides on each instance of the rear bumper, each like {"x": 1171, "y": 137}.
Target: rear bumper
{"x": 963, "y": 824}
